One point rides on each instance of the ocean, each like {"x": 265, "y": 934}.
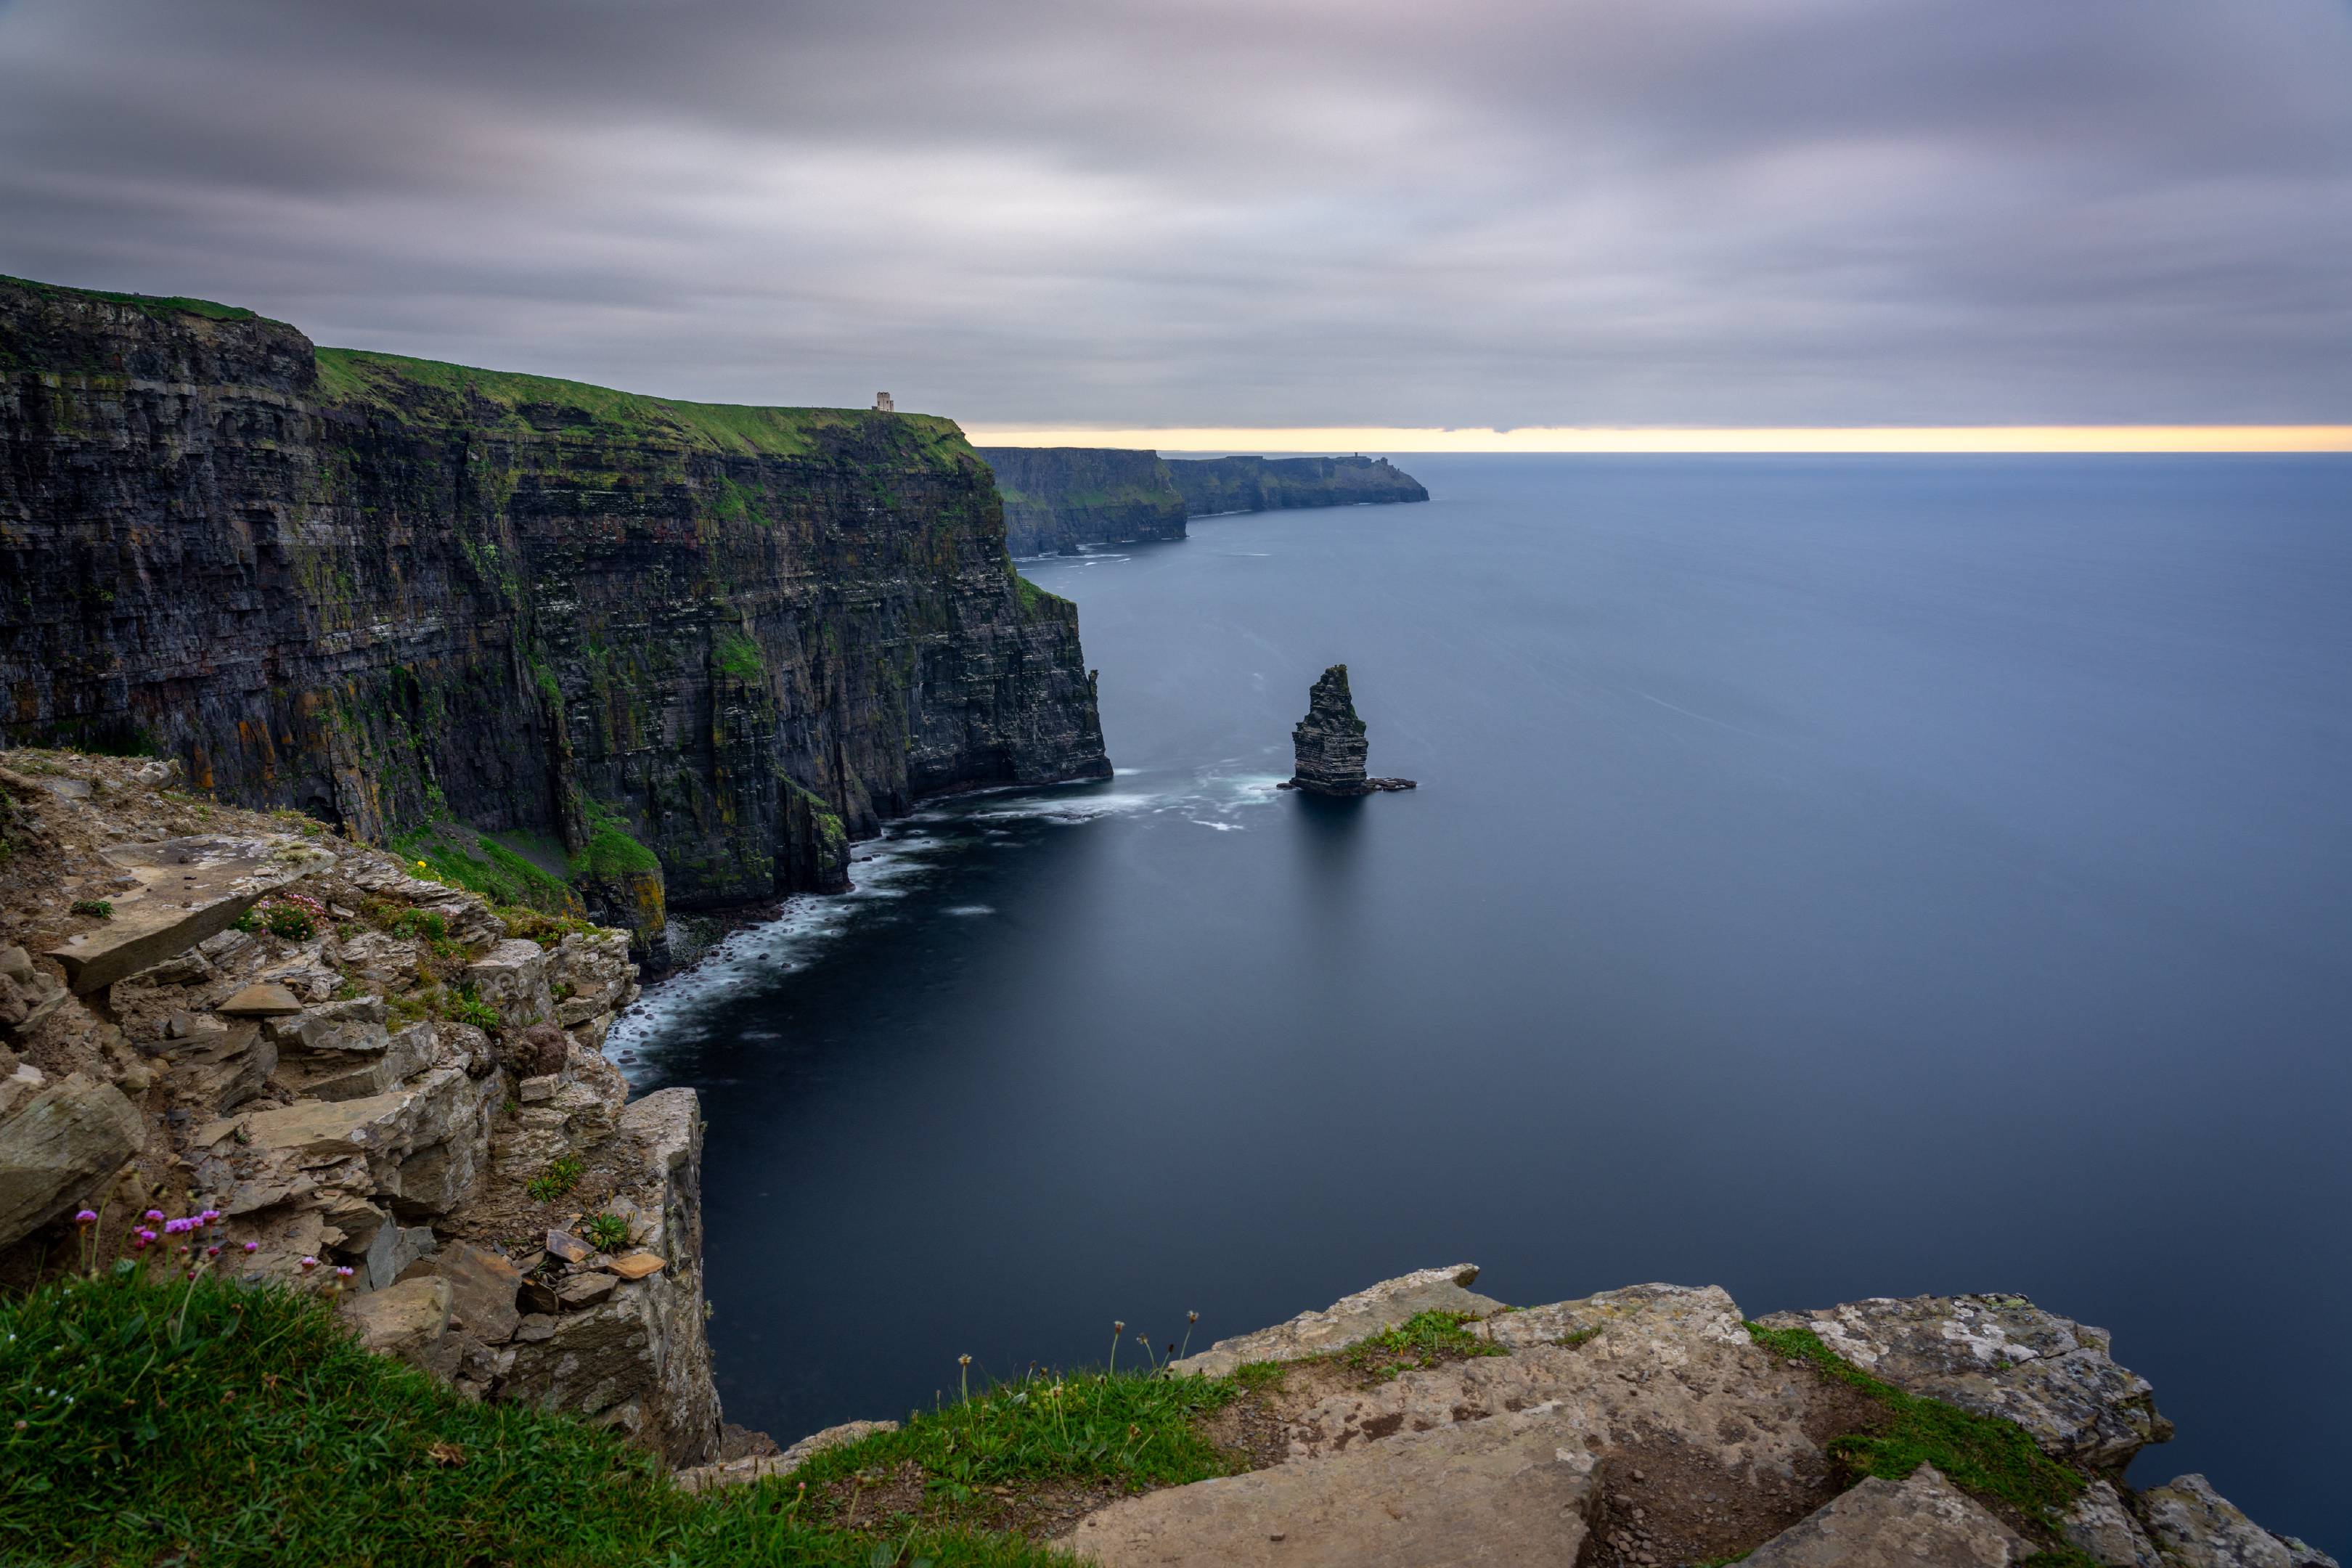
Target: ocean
{"x": 1830, "y": 877}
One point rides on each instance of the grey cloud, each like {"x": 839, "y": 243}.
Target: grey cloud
{"x": 1293, "y": 211}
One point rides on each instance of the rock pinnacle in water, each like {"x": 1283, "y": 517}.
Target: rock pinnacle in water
{"x": 1330, "y": 745}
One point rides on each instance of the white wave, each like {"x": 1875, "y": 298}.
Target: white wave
{"x": 970, "y": 909}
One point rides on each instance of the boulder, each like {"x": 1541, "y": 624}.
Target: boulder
{"x": 2102, "y": 1526}
{"x": 537, "y": 1052}
{"x": 584, "y": 1291}
{"x": 26, "y": 995}
{"x": 60, "y": 1144}
{"x": 23, "y": 1082}
{"x": 182, "y": 891}
{"x": 2000, "y": 1355}
{"x": 1617, "y": 1369}
{"x": 265, "y": 1000}
{"x": 391, "y": 1250}
{"x": 594, "y": 970}
{"x": 1921, "y": 1523}
{"x": 753, "y": 1468}
{"x": 482, "y": 1287}
{"x": 1346, "y": 1321}
{"x": 2195, "y": 1527}
{"x": 218, "y": 1070}
{"x": 1513, "y": 1490}
{"x": 513, "y": 979}
{"x": 402, "y": 1318}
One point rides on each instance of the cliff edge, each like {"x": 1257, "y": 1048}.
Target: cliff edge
{"x": 694, "y": 648}
{"x": 1215, "y": 485}
{"x": 376, "y": 1087}
{"x": 1059, "y": 499}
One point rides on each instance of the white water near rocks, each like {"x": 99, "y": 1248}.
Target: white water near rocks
{"x": 1830, "y": 878}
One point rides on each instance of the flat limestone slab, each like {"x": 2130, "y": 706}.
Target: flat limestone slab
{"x": 1348, "y": 1321}
{"x": 1920, "y": 1522}
{"x": 1503, "y": 1493}
{"x": 188, "y": 890}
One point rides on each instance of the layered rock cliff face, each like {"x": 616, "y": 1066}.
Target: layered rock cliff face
{"x": 1058, "y": 498}
{"x": 380, "y": 1089}
{"x": 700, "y": 645}
{"x": 1213, "y": 485}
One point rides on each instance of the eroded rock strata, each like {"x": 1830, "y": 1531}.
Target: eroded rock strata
{"x": 1648, "y": 1426}
{"x": 359, "y": 1070}
{"x": 697, "y": 647}
{"x": 1059, "y": 499}
{"x": 1214, "y": 485}
{"x": 1329, "y": 745}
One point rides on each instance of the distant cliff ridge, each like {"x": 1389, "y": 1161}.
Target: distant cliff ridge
{"x": 700, "y": 645}
{"x": 1059, "y": 498}
{"x": 1213, "y": 485}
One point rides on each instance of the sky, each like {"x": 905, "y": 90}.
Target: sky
{"x": 1154, "y": 219}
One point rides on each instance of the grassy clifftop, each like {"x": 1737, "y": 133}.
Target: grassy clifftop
{"x": 512, "y": 402}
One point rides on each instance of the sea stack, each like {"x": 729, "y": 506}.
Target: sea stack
{"x": 1329, "y": 743}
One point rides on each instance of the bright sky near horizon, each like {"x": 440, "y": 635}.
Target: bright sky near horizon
{"x": 1379, "y": 216}
{"x": 1823, "y": 438}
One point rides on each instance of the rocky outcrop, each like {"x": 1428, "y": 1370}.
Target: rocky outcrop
{"x": 751, "y": 1468}
{"x": 2193, "y": 1526}
{"x": 1648, "y": 1426}
{"x": 1211, "y": 486}
{"x": 1348, "y": 1321}
{"x": 381, "y": 1092}
{"x": 701, "y": 646}
{"x": 1896, "y": 1524}
{"x": 1060, "y": 500}
{"x": 1329, "y": 744}
{"x": 2001, "y": 1355}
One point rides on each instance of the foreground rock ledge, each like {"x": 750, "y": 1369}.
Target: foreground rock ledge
{"x": 1645, "y": 1427}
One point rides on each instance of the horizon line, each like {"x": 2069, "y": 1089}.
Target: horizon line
{"x": 1759, "y": 440}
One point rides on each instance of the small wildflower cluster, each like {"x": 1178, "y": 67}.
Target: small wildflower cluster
{"x": 295, "y": 917}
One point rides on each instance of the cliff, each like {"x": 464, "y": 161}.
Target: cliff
{"x": 696, "y": 648}
{"x": 1057, "y": 499}
{"x": 1213, "y": 485}
{"x": 381, "y": 1092}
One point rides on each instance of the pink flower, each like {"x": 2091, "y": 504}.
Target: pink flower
{"x": 308, "y": 1264}
{"x": 253, "y": 1246}
{"x": 342, "y": 1273}
{"x": 212, "y": 1252}
{"x": 87, "y": 1216}
{"x": 153, "y": 1215}
{"x": 146, "y": 1235}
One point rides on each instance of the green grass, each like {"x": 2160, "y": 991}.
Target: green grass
{"x": 1033, "y": 597}
{"x": 605, "y": 1232}
{"x": 1981, "y": 1454}
{"x": 560, "y": 1177}
{"x": 97, "y": 909}
{"x": 455, "y": 854}
{"x": 738, "y": 655}
{"x": 507, "y": 401}
{"x": 1134, "y": 1427}
{"x": 259, "y": 1433}
{"x": 154, "y": 304}
{"x": 1425, "y": 1340}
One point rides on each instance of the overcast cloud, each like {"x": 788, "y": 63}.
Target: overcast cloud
{"x": 1282, "y": 212}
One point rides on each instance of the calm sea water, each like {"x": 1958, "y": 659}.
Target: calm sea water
{"x": 1830, "y": 878}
